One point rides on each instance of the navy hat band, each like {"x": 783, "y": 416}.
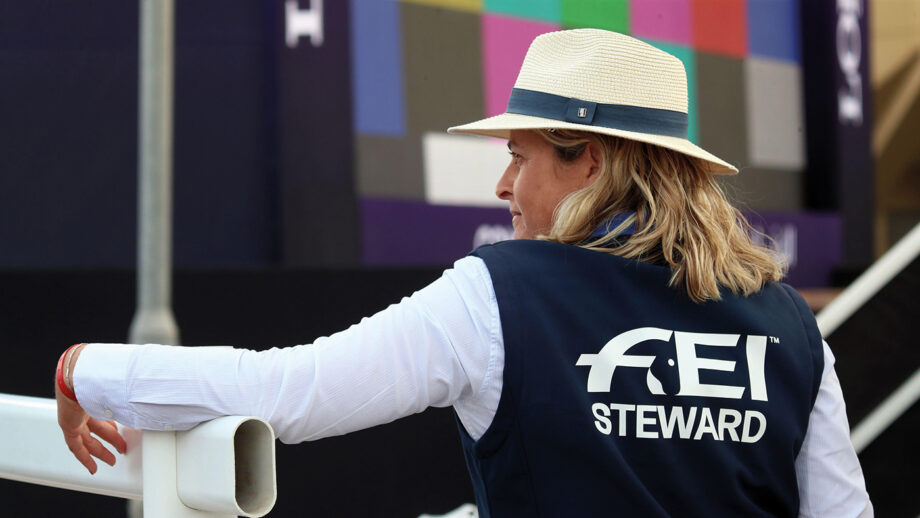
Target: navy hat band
{"x": 623, "y": 117}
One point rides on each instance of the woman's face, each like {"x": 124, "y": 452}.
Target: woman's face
{"x": 537, "y": 180}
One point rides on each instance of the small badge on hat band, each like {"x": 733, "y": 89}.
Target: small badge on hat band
{"x": 580, "y": 112}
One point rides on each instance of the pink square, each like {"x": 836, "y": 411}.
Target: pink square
{"x": 662, "y": 20}
{"x": 504, "y": 43}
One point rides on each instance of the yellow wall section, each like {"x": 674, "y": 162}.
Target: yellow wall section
{"x": 472, "y": 6}
{"x": 895, "y": 70}
{"x": 895, "y": 36}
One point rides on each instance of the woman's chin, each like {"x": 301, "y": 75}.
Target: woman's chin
{"x": 520, "y": 229}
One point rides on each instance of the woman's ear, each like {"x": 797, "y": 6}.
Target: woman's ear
{"x": 592, "y": 163}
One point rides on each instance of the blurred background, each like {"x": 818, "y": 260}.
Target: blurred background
{"x": 315, "y": 184}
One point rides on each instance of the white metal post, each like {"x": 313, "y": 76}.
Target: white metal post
{"x": 153, "y": 319}
{"x": 161, "y": 497}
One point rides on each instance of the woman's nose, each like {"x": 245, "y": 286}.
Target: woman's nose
{"x": 503, "y": 188}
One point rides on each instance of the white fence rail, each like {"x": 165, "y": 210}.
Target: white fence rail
{"x": 225, "y": 467}
{"x": 848, "y": 302}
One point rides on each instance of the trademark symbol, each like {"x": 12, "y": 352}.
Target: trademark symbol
{"x": 774, "y": 340}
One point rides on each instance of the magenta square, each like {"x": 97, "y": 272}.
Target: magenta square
{"x": 504, "y": 44}
{"x": 662, "y": 20}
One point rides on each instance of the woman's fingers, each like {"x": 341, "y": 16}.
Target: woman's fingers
{"x": 75, "y": 443}
{"x": 98, "y": 450}
{"x": 108, "y": 431}
{"x": 84, "y": 446}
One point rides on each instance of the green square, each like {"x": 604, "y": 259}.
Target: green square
{"x": 688, "y": 58}
{"x": 612, "y": 15}
{"x": 547, "y": 10}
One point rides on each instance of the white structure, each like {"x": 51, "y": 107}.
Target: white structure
{"x": 225, "y": 467}
{"x": 848, "y": 302}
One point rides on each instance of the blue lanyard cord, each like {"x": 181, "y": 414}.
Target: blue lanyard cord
{"x": 612, "y": 223}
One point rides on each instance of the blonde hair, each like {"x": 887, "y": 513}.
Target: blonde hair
{"x": 680, "y": 213}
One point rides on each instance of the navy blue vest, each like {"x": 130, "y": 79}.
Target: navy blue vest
{"x": 623, "y": 397}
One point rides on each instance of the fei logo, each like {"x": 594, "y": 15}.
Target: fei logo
{"x": 689, "y": 362}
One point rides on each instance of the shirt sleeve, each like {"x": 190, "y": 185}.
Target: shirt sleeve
{"x": 830, "y": 479}
{"x": 437, "y": 347}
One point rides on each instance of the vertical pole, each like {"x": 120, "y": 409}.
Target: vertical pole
{"x": 153, "y": 319}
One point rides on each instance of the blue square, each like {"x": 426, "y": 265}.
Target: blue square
{"x": 773, "y": 29}
{"x": 377, "y": 69}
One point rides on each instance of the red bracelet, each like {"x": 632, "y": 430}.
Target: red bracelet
{"x": 59, "y": 376}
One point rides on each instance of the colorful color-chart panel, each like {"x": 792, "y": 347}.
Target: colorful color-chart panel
{"x": 776, "y": 136}
{"x": 688, "y": 58}
{"x": 377, "y": 74}
{"x": 463, "y": 169}
{"x": 472, "y": 6}
{"x": 722, "y": 108}
{"x": 662, "y": 20}
{"x": 773, "y": 29}
{"x": 547, "y": 10}
{"x": 443, "y": 59}
{"x": 720, "y": 26}
{"x": 424, "y": 65}
{"x": 612, "y": 15}
{"x": 389, "y": 167}
{"x": 504, "y": 43}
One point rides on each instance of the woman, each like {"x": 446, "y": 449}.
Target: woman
{"x": 630, "y": 352}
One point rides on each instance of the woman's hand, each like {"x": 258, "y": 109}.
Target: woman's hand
{"x": 78, "y": 426}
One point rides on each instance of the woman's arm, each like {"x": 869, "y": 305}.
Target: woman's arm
{"x": 830, "y": 478}
{"x": 435, "y": 348}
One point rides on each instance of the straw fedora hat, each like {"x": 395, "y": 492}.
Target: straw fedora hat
{"x": 603, "y": 82}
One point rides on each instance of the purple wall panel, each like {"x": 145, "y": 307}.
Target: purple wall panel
{"x": 811, "y": 241}
{"x": 397, "y": 232}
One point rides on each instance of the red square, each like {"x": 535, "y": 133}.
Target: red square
{"x": 720, "y": 27}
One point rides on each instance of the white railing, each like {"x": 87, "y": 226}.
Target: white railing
{"x": 848, "y": 302}
{"x": 225, "y": 467}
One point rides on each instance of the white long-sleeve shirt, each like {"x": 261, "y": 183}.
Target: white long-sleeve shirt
{"x": 442, "y": 346}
